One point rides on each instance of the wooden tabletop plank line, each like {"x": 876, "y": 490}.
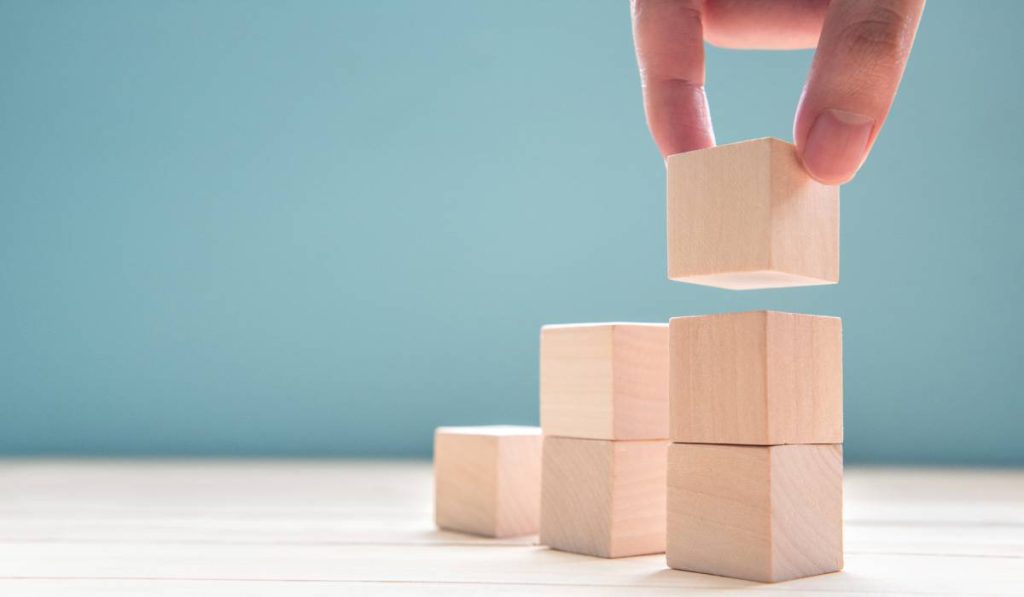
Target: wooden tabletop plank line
{"x": 474, "y": 544}
{"x": 777, "y": 588}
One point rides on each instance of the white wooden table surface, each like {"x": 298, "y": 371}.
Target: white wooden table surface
{"x": 308, "y": 528}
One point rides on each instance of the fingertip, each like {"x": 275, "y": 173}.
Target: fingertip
{"x": 679, "y": 117}
{"x": 836, "y": 145}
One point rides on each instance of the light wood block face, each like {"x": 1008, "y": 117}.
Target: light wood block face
{"x": 759, "y": 378}
{"x": 763, "y": 513}
{"x": 487, "y": 480}
{"x": 604, "y": 381}
{"x": 603, "y": 498}
{"x": 748, "y": 215}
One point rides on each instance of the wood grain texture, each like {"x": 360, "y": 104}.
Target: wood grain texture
{"x": 747, "y": 215}
{"x": 603, "y": 498}
{"x": 296, "y": 528}
{"x": 760, "y": 377}
{"x": 762, "y": 513}
{"x": 604, "y": 381}
{"x": 487, "y": 480}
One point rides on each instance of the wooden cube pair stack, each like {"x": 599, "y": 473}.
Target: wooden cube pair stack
{"x": 755, "y": 467}
{"x": 755, "y": 473}
{"x": 604, "y": 415}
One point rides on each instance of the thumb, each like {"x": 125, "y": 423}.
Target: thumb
{"x": 857, "y": 68}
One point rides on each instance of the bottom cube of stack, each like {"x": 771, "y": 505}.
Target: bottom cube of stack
{"x": 764, "y": 513}
{"x": 603, "y": 498}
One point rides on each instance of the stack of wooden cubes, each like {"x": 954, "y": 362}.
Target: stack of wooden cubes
{"x": 755, "y": 477}
{"x": 755, "y": 469}
{"x": 751, "y": 402}
{"x": 604, "y": 416}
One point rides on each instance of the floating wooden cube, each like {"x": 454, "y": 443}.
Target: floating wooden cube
{"x": 761, "y": 377}
{"x": 603, "y": 498}
{"x": 764, "y": 513}
{"x": 604, "y": 381}
{"x": 487, "y": 479}
{"x": 748, "y": 215}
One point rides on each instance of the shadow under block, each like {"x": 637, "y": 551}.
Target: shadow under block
{"x": 747, "y": 216}
{"x": 487, "y": 480}
{"x": 761, "y": 378}
{"x": 604, "y": 381}
{"x": 603, "y": 498}
{"x": 763, "y": 513}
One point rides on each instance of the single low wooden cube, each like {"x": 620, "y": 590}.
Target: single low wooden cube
{"x": 763, "y": 513}
{"x": 748, "y": 215}
{"x": 761, "y": 377}
{"x": 603, "y": 498}
{"x": 487, "y": 479}
{"x": 604, "y": 380}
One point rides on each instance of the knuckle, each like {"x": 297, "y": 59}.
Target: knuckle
{"x": 690, "y": 12}
{"x": 881, "y": 33}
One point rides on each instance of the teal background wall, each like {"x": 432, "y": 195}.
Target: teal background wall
{"x": 255, "y": 227}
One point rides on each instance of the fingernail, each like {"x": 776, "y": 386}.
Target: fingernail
{"x": 836, "y": 145}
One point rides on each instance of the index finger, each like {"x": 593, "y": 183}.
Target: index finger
{"x": 669, "y": 40}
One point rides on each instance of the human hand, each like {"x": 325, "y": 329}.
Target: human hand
{"x": 862, "y": 49}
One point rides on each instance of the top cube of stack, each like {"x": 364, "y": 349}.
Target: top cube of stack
{"x": 748, "y": 215}
{"x": 604, "y": 381}
{"x": 757, "y": 378}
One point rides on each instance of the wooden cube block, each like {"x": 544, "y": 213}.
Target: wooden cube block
{"x": 748, "y": 215}
{"x": 764, "y": 513}
{"x": 603, "y": 498}
{"x": 604, "y": 380}
{"x": 762, "y": 377}
{"x": 487, "y": 479}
